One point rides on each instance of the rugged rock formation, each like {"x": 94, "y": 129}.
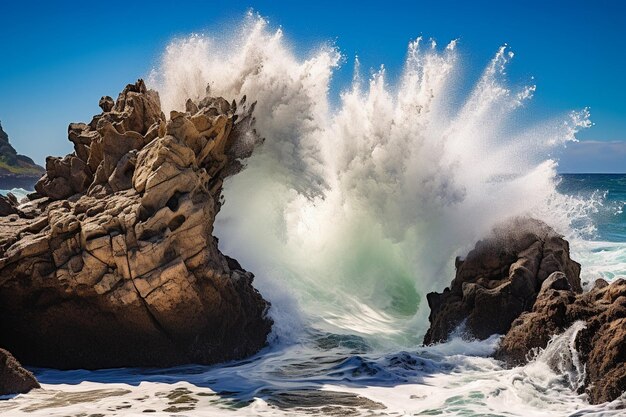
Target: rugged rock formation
{"x": 499, "y": 280}
{"x": 8, "y": 205}
{"x": 13, "y": 378}
{"x": 16, "y": 170}
{"x": 601, "y": 345}
{"x": 117, "y": 265}
{"x": 521, "y": 283}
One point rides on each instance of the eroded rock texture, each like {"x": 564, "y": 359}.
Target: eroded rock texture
{"x": 13, "y": 378}
{"x": 521, "y": 283}
{"x": 500, "y": 279}
{"x": 601, "y": 344}
{"x": 113, "y": 263}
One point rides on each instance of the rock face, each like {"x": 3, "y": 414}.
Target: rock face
{"x": 113, "y": 263}
{"x": 13, "y": 378}
{"x": 8, "y": 205}
{"x": 521, "y": 283}
{"x": 16, "y": 170}
{"x": 601, "y": 344}
{"x": 500, "y": 279}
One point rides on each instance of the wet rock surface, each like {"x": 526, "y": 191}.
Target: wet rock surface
{"x": 521, "y": 283}
{"x": 113, "y": 262}
{"x": 500, "y": 279}
{"x": 600, "y": 345}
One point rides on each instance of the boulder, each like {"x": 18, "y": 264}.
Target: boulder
{"x": 520, "y": 282}
{"x": 600, "y": 345}
{"x": 499, "y": 280}
{"x": 7, "y": 205}
{"x": 13, "y": 378}
{"x": 118, "y": 266}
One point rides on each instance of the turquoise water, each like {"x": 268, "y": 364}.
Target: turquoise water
{"x": 609, "y": 190}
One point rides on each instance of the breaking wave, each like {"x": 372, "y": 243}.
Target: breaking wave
{"x": 354, "y": 210}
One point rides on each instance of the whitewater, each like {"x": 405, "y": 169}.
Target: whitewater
{"x": 348, "y": 214}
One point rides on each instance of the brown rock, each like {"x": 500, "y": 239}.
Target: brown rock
{"x": 13, "y": 378}
{"x": 7, "y": 206}
{"x": 119, "y": 266}
{"x": 106, "y": 103}
{"x": 100, "y": 145}
{"x": 601, "y": 344}
{"x": 521, "y": 282}
{"x": 499, "y": 280}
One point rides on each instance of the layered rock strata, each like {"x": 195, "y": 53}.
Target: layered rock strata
{"x": 113, "y": 262}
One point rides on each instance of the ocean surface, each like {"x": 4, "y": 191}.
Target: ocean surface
{"x": 600, "y": 244}
{"x": 352, "y": 210}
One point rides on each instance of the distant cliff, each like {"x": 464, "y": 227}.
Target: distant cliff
{"x": 16, "y": 170}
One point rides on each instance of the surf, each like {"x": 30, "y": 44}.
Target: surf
{"x": 353, "y": 209}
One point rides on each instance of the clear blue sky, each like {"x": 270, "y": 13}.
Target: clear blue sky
{"x": 58, "y": 58}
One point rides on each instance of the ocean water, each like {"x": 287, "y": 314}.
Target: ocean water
{"x": 351, "y": 211}
{"x": 19, "y": 193}
{"x": 601, "y": 242}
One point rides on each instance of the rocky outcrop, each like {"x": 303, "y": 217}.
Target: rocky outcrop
{"x": 8, "y": 205}
{"x": 113, "y": 263}
{"x": 16, "y": 170}
{"x": 601, "y": 344}
{"x": 13, "y": 378}
{"x": 522, "y": 283}
{"x": 499, "y": 280}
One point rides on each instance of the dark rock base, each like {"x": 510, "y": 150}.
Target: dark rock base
{"x": 13, "y": 378}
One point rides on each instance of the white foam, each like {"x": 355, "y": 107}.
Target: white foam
{"x": 600, "y": 259}
{"x": 19, "y": 193}
{"x": 455, "y": 378}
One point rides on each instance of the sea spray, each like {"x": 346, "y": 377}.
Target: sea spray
{"x": 348, "y": 214}
{"x": 560, "y": 356}
{"x": 19, "y": 193}
{"x": 352, "y": 212}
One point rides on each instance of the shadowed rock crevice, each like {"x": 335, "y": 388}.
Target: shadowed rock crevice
{"x": 118, "y": 266}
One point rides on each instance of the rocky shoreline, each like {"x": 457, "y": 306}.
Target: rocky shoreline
{"x": 14, "y": 379}
{"x": 112, "y": 262}
{"x": 521, "y": 283}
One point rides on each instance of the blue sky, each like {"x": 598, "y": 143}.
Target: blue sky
{"x": 58, "y": 58}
